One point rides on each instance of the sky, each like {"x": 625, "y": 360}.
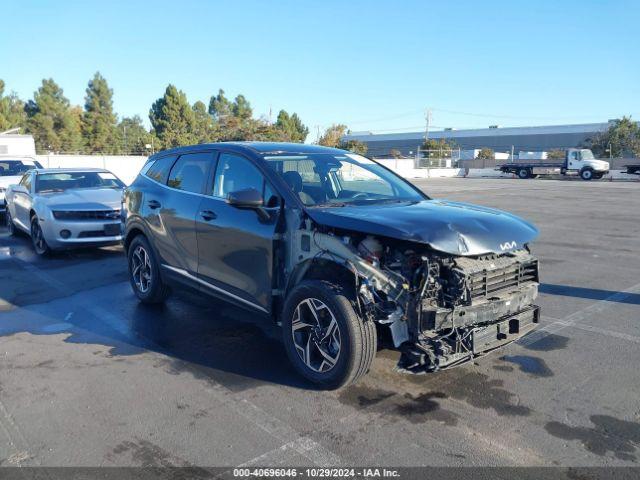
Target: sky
{"x": 372, "y": 65}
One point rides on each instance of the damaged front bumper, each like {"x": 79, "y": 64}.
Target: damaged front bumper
{"x": 450, "y": 337}
{"x": 431, "y": 353}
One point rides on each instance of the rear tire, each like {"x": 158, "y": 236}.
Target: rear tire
{"x": 325, "y": 339}
{"x": 144, "y": 272}
{"x": 523, "y": 173}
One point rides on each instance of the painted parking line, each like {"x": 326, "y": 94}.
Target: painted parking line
{"x": 601, "y": 331}
{"x": 578, "y": 316}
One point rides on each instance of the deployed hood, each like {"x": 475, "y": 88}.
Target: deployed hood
{"x": 83, "y": 199}
{"x": 449, "y": 227}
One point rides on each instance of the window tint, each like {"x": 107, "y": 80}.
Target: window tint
{"x": 236, "y": 173}
{"x": 13, "y": 168}
{"x": 159, "y": 171}
{"x": 190, "y": 172}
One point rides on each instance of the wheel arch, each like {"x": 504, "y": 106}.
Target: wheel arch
{"x": 134, "y": 227}
{"x": 132, "y": 233}
{"x": 323, "y": 269}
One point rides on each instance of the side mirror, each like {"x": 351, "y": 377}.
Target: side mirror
{"x": 19, "y": 189}
{"x": 248, "y": 198}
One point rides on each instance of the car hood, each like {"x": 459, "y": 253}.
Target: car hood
{"x": 449, "y": 227}
{"x": 9, "y": 180}
{"x": 83, "y": 199}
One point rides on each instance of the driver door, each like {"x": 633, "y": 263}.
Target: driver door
{"x": 235, "y": 245}
{"x": 22, "y": 202}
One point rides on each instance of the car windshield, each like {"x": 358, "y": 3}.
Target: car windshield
{"x": 321, "y": 179}
{"x": 59, "y": 182}
{"x": 16, "y": 168}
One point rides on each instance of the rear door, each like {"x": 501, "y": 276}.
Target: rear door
{"x": 235, "y": 245}
{"x": 172, "y": 208}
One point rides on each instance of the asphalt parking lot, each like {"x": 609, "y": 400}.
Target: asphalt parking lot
{"x": 89, "y": 377}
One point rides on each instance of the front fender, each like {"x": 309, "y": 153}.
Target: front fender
{"x": 322, "y": 268}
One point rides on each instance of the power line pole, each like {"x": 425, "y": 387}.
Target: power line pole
{"x": 427, "y": 117}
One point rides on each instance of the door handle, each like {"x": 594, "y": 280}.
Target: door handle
{"x": 208, "y": 215}
{"x": 153, "y": 204}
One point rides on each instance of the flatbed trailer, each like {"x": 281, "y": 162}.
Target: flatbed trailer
{"x": 577, "y": 161}
{"x": 633, "y": 169}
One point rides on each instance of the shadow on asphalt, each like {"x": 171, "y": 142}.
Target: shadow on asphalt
{"x": 590, "y": 293}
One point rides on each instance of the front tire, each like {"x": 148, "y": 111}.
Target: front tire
{"x": 37, "y": 238}
{"x": 10, "y": 225}
{"x": 523, "y": 173}
{"x": 586, "y": 174}
{"x": 144, "y": 272}
{"x": 325, "y": 339}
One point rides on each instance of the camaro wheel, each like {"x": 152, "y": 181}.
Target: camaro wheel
{"x": 10, "y": 226}
{"x": 325, "y": 339}
{"x": 144, "y": 272}
{"x": 37, "y": 237}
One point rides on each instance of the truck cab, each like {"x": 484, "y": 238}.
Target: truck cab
{"x": 585, "y": 163}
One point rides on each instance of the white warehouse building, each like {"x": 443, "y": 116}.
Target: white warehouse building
{"x": 499, "y": 139}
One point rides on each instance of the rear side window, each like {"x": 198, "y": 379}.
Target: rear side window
{"x": 159, "y": 171}
{"x": 190, "y": 172}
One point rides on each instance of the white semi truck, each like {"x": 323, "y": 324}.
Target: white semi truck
{"x": 580, "y": 161}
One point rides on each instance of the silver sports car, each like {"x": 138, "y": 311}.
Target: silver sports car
{"x": 66, "y": 208}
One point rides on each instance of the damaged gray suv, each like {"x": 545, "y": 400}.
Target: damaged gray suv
{"x": 342, "y": 253}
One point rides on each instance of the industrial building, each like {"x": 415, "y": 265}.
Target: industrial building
{"x": 497, "y": 138}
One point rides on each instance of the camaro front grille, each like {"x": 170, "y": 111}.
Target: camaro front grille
{"x": 86, "y": 214}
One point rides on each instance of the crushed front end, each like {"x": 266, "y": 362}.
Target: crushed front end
{"x": 469, "y": 306}
{"x": 439, "y": 310}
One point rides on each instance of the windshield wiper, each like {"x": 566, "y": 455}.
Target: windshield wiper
{"x": 51, "y": 190}
{"x": 326, "y": 205}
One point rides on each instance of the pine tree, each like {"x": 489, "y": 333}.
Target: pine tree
{"x": 203, "y": 123}
{"x": 133, "y": 138}
{"x": 99, "y": 121}
{"x": 242, "y": 108}
{"x": 173, "y": 119}
{"x": 12, "y": 113}
{"x": 55, "y": 127}
{"x": 292, "y": 126}
{"x": 219, "y": 106}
